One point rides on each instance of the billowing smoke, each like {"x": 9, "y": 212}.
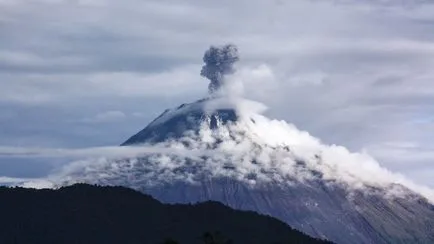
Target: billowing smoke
{"x": 219, "y": 61}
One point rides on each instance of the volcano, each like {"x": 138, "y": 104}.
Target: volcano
{"x": 222, "y": 148}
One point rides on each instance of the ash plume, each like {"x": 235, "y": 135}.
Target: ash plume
{"x": 219, "y": 61}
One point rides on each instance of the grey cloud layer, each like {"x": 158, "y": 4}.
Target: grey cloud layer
{"x": 356, "y": 74}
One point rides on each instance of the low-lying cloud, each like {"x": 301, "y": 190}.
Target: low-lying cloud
{"x": 254, "y": 150}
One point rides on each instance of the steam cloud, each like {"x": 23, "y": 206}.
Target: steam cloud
{"x": 219, "y": 61}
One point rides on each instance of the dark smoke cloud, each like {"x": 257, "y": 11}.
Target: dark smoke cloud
{"x": 219, "y": 61}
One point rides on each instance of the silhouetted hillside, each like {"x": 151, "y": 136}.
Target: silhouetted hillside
{"x": 92, "y": 214}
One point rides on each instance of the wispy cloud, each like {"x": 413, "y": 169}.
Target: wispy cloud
{"x": 106, "y": 152}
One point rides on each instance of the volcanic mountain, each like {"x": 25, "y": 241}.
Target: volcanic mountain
{"x": 222, "y": 149}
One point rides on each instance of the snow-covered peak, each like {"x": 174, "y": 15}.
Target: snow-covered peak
{"x": 214, "y": 111}
{"x": 228, "y": 137}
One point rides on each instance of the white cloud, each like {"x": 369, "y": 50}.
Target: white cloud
{"x": 78, "y": 153}
{"x": 414, "y": 160}
{"x": 275, "y": 146}
{"x": 254, "y": 138}
{"x": 27, "y": 182}
{"x": 11, "y": 180}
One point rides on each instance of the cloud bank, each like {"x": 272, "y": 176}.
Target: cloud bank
{"x": 254, "y": 150}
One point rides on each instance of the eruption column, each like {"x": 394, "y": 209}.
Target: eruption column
{"x": 219, "y": 61}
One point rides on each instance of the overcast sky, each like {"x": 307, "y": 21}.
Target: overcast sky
{"x": 86, "y": 73}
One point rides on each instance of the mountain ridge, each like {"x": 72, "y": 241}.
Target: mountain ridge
{"x": 95, "y": 214}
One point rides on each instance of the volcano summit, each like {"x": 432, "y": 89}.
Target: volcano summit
{"x": 221, "y": 148}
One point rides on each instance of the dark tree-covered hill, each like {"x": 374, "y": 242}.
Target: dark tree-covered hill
{"x": 82, "y": 214}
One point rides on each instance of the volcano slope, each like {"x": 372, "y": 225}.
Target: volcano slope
{"x": 223, "y": 149}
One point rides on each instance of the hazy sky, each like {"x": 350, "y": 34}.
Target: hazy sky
{"x": 85, "y": 73}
